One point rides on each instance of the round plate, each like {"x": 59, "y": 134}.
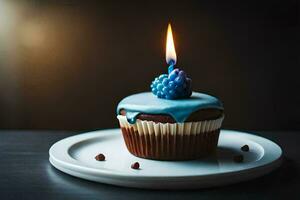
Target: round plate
{"x": 75, "y": 156}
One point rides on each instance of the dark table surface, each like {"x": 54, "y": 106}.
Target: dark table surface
{"x": 25, "y": 173}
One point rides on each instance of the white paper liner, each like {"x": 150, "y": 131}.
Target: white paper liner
{"x": 186, "y": 128}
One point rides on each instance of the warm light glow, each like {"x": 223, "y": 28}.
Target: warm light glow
{"x": 33, "y": 34}
{"x": 170, "y": 48}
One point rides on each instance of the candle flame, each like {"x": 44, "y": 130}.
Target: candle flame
{"x": 170, "y": 48}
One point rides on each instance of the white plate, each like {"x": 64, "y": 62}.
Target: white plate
{"x": 75, "y": 156}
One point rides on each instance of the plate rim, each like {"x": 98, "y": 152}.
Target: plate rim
{"x": 117, "y": 174}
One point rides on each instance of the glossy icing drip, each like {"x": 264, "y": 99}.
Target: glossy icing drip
{"x": 179, "y": 109}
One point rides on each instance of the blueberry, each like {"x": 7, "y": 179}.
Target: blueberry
{"x": 172, "y": 76}
{"x": 171, "y": 85}
{"x": 154, "y": 91}
{"x": 178, "y": 88}
{"x": 179, "y": 80}
{"x": 159, "y": 87}
{"x": 182, "y": 74}
{"x": 165, "y": 81}
{"x": 161, "y": 77}
{"x": 159, "y": 95}
{"x": 165, "y": 90}
{"x": 171, "y": 92}
{"x": 188, "y": 80}
{"x": 153, "y": 84}
{"x": 176, "y": 70}
{"x": 176, "y": 85}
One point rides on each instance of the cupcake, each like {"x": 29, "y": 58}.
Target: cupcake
{"x": 171, "y": 122}
{"x": 163, "y": 129}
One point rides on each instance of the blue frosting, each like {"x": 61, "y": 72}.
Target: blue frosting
{"x": 179, "y": 109}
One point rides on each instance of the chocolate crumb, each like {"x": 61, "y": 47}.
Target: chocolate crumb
{"x": 245, "y": 148}
{"x": 100, "y": 157}
{"x": 135, "y": 165}
{"x": 238, "y": 158}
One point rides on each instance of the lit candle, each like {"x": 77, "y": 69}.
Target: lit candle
{"x": 176, "y": 84}
{"x": 170, "y": 50}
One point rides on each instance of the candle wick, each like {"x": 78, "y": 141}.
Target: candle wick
{"x": 171, "y": 66}
{"x": 170, "y": 69}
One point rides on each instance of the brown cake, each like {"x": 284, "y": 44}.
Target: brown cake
{"x": 161, "y": 136}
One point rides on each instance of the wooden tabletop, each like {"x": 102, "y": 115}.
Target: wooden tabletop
{"x": 25, "y": 173}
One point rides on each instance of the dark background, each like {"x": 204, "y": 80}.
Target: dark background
{"x": 66, "y": 64}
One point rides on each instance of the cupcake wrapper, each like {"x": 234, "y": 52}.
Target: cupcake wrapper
{"x": 170, "y": 141}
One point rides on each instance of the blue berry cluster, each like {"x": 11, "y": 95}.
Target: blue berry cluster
{"x": 175, "y": 85}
